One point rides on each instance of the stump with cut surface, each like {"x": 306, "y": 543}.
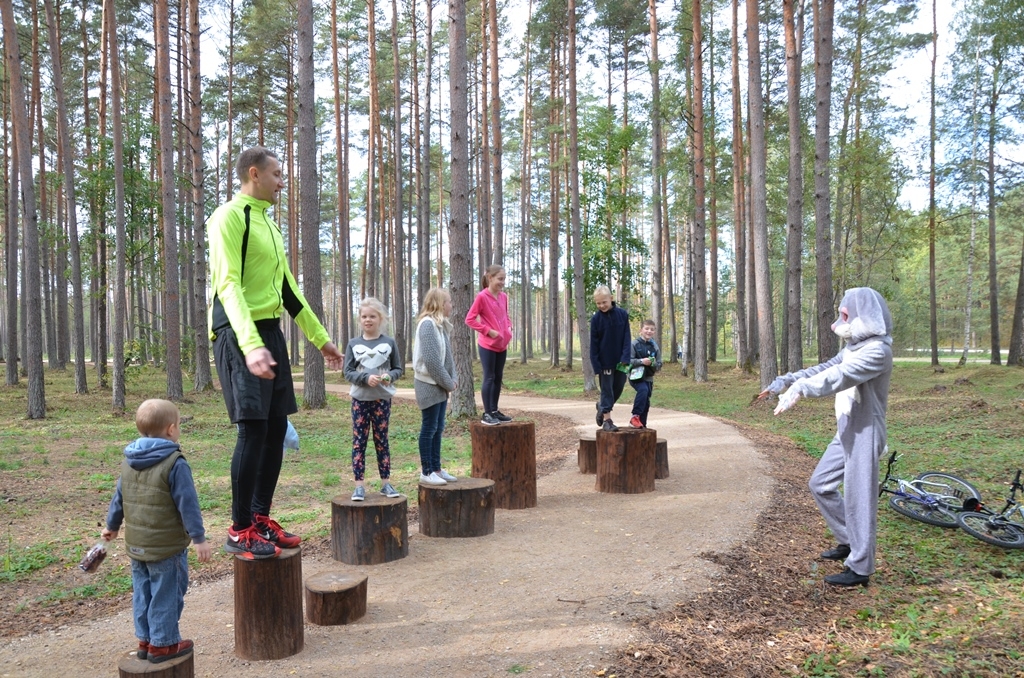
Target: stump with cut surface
{"x": 460, "y": 509}
{"x": 268, "y": 606}
{"x": 131, "y": 666}
{"x": 586, "y": 455}
{"x": 334, "y": 598}
{"x": 661, "y": 459}
{"x": 625, "y": 461}
{"x": 507, "y": 454}
{"x": 369, "y": 532}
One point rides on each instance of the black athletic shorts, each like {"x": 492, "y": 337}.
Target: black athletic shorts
{"x": 246, "y": 395}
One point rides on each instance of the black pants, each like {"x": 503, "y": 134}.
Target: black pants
{"x": 259, "y": 408}
{"x": 492, "y": 364}
{"x": 611, "y": 388}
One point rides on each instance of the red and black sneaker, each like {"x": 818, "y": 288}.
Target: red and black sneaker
{"x": 271, "y": 530}
{"x": 248, "y": 543}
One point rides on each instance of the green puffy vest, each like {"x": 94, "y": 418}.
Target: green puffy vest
{"x": 152, "y": 525}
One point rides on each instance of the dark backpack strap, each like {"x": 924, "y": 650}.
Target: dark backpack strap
{"x": 245, "y": 241}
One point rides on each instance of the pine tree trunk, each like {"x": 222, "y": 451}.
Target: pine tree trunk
{"x": 759, "y": 202}
{"x": 462, "y": 403}
{"x": 172, "y": 297}
{"x": 795, "y": 204}
{"x": 33, "y": 354}
{"x": 120, "y": 253}
{"x": 738, "y": 202}
{"x": 824, "y": 12}
{"x": 700, "y": 334}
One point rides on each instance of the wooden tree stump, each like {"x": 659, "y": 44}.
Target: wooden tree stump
{"x": 369, "y": 532}
{"x": 461, "y": 509}
{"x": 507, "y": 454}
{"x": 131, "y": 666}
{"x": 586, "y": 455}
{"x": 268, "y": 606}
{"x": 625, "y": 461}
{"x": 661, "y": 459}
{"x": 334, "y": 598}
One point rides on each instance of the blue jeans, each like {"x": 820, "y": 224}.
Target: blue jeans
{"x": 611, "y": 388}
{"x": 642, "y": 401}
{"x": 158, "y": 597}
{"x": 430, "y": 437}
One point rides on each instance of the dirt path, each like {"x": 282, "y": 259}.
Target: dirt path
{"x": 553, "y": 592}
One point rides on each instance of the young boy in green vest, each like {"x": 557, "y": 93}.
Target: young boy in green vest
{"x": 156, "y": 500}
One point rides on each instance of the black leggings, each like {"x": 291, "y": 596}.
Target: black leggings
{"x": 255, "y": 467}
{"x": 492, "y": 364}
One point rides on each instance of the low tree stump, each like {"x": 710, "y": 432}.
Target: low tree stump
{"x": 661, "y": 459}
{"x": 369, "y": 532}
{"x": 586, "y": 455}
{"x": 625, "y": 461}
{"x": 461, "y": 509}
{"x": 334, "y": 598}
{"x": 268, "y": 606}
{"x": 507, "y": 454}
{"x": 131, "y": 666}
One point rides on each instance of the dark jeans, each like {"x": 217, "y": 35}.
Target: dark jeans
{"x": 255, "y": 467}
{"x": 611, "y": 388}
{"x": 642, "y": 400}
{"x": 492, "y": 364}
{"x": 431, "y": 431}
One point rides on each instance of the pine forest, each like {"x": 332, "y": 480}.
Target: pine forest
{"x": 727, "y": 169}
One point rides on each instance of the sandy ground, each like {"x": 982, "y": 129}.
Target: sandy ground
{"x": 555, "y": 591}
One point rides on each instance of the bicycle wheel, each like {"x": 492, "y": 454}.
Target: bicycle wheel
{"x": 933, "y": 514}
{"x": 992, "y": 530}
{"x": 941, "y": 485}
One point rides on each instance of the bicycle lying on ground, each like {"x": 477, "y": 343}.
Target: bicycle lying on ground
{"x": 931, "y": 497}
{"x": 1005, "y": 529}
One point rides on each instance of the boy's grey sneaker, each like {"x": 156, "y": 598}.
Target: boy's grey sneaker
{"x": 599, "y": 418}
{"x": 489, "y": 419}
{"x": 609, "y": 426}
{"x": 447, "y": 477}
{"x": 388, "y": 491}
{"x": 497, "y": 414}
{"x": 359, "y": 494}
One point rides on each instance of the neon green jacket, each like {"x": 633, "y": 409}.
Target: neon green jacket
{"x": 260, "y": 288}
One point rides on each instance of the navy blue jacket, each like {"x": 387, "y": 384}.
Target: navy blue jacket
{"x": 609, "y": 338}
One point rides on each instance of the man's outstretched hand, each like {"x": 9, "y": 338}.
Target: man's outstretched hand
{"x": 332, "y": 355}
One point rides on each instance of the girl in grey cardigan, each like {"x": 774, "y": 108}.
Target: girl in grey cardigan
{"x": 434, "y": 378}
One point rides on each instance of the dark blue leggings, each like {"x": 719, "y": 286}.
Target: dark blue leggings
{"x": 492, "y": 364}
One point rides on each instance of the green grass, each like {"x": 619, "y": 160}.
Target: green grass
{"x": 942, "y": 593}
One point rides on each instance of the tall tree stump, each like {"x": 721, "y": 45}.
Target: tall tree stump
{"x": 131, "y": 666}
{"x": 369, "y": 532}
{"x": 268, "y": 606}
{"x": 334, "y": 598}
{"x": 507, "y": 454}
{"x": 586, "y": 454}
{"x": 625, "y": 461}
{"x": 661, "y": 459}
{"x": 461, "y": 509}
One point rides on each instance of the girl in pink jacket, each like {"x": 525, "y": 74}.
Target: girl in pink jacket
{"x": 489, "y": 317}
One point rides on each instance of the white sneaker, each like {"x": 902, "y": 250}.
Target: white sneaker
{"x": 432, "y": 479}
{"x": 447, "y": 477}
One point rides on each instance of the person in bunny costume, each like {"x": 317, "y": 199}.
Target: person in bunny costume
{"x": 859, "y": 377}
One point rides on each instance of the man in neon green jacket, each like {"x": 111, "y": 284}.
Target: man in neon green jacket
{"x": 251, "y": 287}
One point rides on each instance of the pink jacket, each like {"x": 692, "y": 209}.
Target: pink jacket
{"x": 487, "y": 313}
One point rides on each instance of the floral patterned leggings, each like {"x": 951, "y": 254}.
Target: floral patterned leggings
{"x": 366, "y": 414}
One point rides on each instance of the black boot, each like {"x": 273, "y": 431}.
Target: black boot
{"x": 839, "y": 552}
{"x": 847, "y": 578}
